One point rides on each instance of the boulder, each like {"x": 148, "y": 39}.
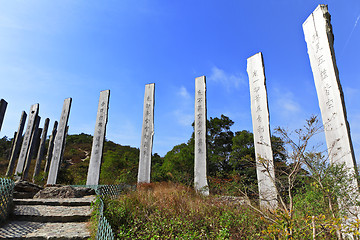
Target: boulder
{"x": 64, "y": 192}
{"x": 25, "y": 189}
{"x": 232, "y": 200}
{"x": 84, "y": 191}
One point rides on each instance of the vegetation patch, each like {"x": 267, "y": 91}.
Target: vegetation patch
{"x": 173, "y": 211}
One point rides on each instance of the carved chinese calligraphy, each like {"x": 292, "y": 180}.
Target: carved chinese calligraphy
{"x": 3, "y": 105}
{"x": 147, "y": 135}
{"x": 98, "y": 140}
{"x": 200, "y": 178}
{"x": 25, "y": 147}
{"x": 262, "y": 143}
{"x": 319, "y": 39}
{"x": 59, "y": 142}
{"x": 17, "y": 143}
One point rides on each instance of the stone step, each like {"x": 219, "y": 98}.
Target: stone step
{"x": 84, "y": 201}
{"x": 37, "y": 230}
{"x": 45, "y": 213}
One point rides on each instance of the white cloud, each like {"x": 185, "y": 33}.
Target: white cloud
{"x": 285, "y": 109}
{"x": 183, "y": 118}
{"x": 287, "y": 103}
{"x": 184, "y": 93}
{"x": 290, "y": 105}
{"x": 126, "y": 133}
{"x": 351, "y": 33}
{"x": 183, "y": 112}
{"x": 229, "y": 81}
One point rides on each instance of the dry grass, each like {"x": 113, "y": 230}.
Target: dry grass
{"x": 173, "y": 211}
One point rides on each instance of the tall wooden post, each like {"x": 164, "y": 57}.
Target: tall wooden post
{"x": 40, "y": 154}
{"x": 320, "y": 40}
{"x": 33, "y": 140}
{"x": 93, "y": 175}
{"x": 261, "y": 128}
{"x": 17, "y": 144}
{"x": 25, "y": 147}
{"x": 3, "y": 105}
{"x": 147, "y": 135}
{"x": 59, "y": 142}
{"x": 200, "y": 172}
{"x": 50, "y": 147}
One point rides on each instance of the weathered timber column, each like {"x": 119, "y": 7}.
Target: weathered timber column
{"x": 36, "y": 143}
{"x": 200, "y": 177}
{"x": 17, "y": 143}
{"x": 40, "y": 154}
{"x": 93, "y": 175}
{"x": 3, "y": 105}
{"x": 25, "y": 147}
{"x": 147, "y": 134}
{"x": 51, "y": 147}
{"x": 59, "y": 142}
{"x": 33, "y": 140}
{"x": 320, "y": 39}
{"x": 12, "y": 145}
{"x": 64, "y": 145}
{"x": 261, "y": 128}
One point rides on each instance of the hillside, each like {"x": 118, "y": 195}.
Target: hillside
{"x": 119, "y": 162}
{"x": 230, "y": 160}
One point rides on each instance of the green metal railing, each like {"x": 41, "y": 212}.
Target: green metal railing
{"x": 104, "y": 231}
{"x": 6, "y": 198}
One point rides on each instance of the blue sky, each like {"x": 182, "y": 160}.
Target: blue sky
{"x": 51, "y": 50}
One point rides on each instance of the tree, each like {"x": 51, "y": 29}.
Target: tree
{"x": 313, "y": 188}
{"x": 228, "y": 156}
{"x": 178, "y": 163}
{"x": 120, "y": 165}
{"x": 156, "y": 172}
{"x": 219, "y": 147}
{"x": 243, "y": 161}
{"x": 5, "y": 145}
{"x": 243, "y": 156}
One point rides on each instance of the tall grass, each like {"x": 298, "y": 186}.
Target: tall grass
{"x": 171, "y": 211}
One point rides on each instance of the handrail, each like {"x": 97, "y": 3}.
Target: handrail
{"x": 104, "y": 230}
{"x": 6, "y": 198}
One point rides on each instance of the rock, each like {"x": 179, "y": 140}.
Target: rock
{"x": 84, "y": 191}
{"x": 231, "y": 200}
{"x": 23, "y": 195}
{"x": 25, "y": 186}
{"x": 25, "y": 189}
{"x": 64, "y": 192}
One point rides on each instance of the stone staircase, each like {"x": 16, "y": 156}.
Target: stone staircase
{"x": 64, "y": 218}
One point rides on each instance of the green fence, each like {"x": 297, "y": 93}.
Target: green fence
{"x": 104, "y": 231}
{"x": 6, "y": 198}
